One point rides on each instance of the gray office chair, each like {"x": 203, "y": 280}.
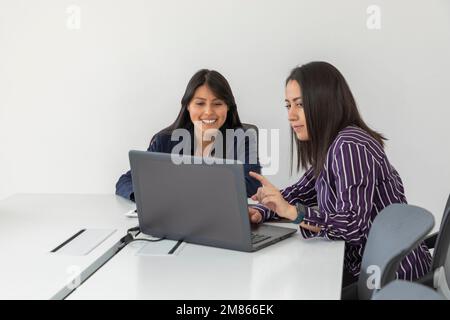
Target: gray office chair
{"x": 247, "y": 126}
{"x": 439, "y": 275}
{"x": 405, "y": 290}
{"x": 252, "y": 127}
{"x": 430, "y": 241}
{"x": 398, "y": 229}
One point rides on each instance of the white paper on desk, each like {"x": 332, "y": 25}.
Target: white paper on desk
{"x": 160, "y": 248}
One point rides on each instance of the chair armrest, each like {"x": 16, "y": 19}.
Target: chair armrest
{"x": 404, "y": 290}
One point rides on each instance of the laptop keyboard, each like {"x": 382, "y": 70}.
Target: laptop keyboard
{"x": 258, "y": 237}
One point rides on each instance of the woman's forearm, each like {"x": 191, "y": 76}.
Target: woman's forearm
{"x": 291, "y": 214}
{"x": 310, "y": 228}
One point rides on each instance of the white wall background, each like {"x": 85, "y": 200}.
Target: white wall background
{"x": 73, "y": 102}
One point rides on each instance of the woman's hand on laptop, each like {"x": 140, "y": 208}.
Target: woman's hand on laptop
{"x": 254, "y": 215}
{"x": 269, "y": 196}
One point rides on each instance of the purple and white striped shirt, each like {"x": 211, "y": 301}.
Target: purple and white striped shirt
{"x": 356, "y": 183}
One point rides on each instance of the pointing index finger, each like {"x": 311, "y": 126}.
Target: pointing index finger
{"x": 260, "y": 178}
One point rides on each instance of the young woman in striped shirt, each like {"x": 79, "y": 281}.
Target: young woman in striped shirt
{"x": 348, "y": 178}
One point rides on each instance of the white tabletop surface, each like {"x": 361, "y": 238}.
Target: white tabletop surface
{"x": 31, "y": 225}
{"x": 291, "y": 269}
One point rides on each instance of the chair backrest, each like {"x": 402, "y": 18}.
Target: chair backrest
{"x": 441, "y": 247}
{"x": 396, "y": 230}
{"x": 406, "y": 290}
{"x": 440, "y": 267}
{"x": 246, "y": 127}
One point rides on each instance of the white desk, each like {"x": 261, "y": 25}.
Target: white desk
{"x": 291, "y": 269}
{"x": 32, "y": 225}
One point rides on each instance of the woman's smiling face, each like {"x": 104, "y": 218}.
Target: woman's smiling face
{"x": 206, "y": 109}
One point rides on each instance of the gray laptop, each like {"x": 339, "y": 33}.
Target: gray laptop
{"x": 197, "y": 203}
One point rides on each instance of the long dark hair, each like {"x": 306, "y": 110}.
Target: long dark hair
{"x": 329, "y": 107}
{"x": 221, "y": 89}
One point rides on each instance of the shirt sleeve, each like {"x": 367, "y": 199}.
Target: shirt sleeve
{"x": 303, "y": 192}
{"x": 354, "y": 172}
{"x": 124, "y": 186}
